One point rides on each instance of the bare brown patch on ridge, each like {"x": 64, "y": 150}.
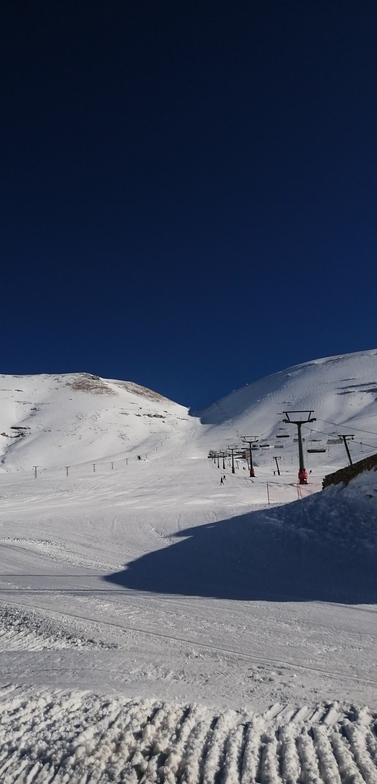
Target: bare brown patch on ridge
{"x": 136, "y": 389}
{"x": 88, "y": 383}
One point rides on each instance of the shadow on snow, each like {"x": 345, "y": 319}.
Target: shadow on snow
{"x": 278, "y": 554}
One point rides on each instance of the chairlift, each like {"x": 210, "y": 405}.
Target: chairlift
{"x": 282, "y": 435}
{"x": 316, "y": 446}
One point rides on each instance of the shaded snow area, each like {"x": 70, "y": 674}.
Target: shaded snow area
{"x": 323, "y": 548}
{"x": 55, "y": 736}
{"x": 165, "y": 619}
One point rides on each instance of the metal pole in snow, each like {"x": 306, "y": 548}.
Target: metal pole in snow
{"x": 35, "y": 472}
{"x": 302, "y": 473}
{"x": 249, "y": 441}
{"x": 268, "y": 493}
{"x": 94, "y": 468}
{"x": 66, "y": 470}
{"x": 344, "y": 438}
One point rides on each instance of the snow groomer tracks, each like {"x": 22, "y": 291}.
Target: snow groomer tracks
{"x": 76, "y": 736}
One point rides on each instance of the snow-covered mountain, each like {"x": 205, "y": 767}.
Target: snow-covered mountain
{"x": 164, "y": 618}
{"x": 341, "y": 392}
{"x": 71, "y": 419}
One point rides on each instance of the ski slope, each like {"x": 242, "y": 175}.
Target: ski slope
{"x": 341, "y": 392}
{"x": 145, "y": 740}
{"x": 156, "y": 625}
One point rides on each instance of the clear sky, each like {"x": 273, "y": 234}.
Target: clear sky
{"x": 188, "y": 189}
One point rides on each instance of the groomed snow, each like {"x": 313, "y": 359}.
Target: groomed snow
{"x": 221, "y": 628}
{"x": 74, "y": 736}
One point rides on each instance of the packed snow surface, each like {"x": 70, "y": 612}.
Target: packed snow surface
{"x": 159, "y": 625}
{"x": 65, "y": 736}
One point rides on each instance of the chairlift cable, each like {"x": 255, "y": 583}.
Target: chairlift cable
{"x": 371, "y": 432}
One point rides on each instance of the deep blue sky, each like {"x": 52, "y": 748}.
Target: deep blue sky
{"x": 188, "y": 189}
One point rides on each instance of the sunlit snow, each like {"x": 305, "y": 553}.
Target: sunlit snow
{"x": 156, "y": 622}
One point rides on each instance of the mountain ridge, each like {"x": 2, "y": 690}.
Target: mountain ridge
{"x": 71, "y": 418}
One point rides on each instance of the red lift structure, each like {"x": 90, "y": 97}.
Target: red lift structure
{"x": 250, "y": 440}
{"x": 302, "y": 472}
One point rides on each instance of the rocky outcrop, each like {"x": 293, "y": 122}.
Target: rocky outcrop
{"x": 349, "y": 472}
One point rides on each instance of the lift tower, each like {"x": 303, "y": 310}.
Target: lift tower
{"x": 302, "y": 472}
{"x": 345, "y": 439}
{"x": 231, "y": 450}
{"x": 277, "y": 458}
{"x": 250, "y": 440}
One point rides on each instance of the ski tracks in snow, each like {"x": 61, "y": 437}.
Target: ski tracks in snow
{"x": 30, "y": 631}
{"x": 60, "y": 736}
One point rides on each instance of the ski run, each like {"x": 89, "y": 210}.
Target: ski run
{"x": 164, "y": 618}
{"x": 73, "y": 736}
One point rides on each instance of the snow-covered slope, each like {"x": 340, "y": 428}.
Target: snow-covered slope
{"x": 58, "y": 420}
{"x": 152, "y": 581}
{"x": 340, "y": 391}
{"x": 77, "y": 737}
{"x": 70, "y": 419}
{"x": 315, "y": 385}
